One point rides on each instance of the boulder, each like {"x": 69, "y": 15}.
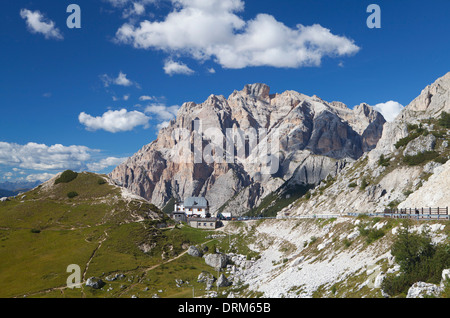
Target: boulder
{"x": 194, "y": 251}
{"x": 421, "y": 289}
{"x": 445, "y": 276}
{"x": 95, "y": 283}
{"x": 205, "y": 276}
{"x": 208, "y": 278}
{"x": 379, "y": 280}
{"x": 216, "y": 260}
{"x": 223, "y": 281}
{"x": 112, "y": 278}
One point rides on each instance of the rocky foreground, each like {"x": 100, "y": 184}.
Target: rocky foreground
{"x": 315, "y": 258}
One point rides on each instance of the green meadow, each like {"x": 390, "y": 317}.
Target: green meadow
{"x": 44, "y": 230}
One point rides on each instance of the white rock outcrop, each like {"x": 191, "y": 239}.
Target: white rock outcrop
{"x": 421, "y": 290}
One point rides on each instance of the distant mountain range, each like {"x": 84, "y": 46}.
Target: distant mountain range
{"x": 8, "y": 188}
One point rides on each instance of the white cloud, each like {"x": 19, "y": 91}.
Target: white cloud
{"x": 42, "y": 157}
{"x": 211, "y": 29}
{"x": 120, "y": 80}
{"x": 171, "y": 67}
{"x": 135, "y": 10}
{"x": 40, "y": 177}
{"x": 164, "y": 124}
{"x": 34, "y": 157}
{"x": 146, "y": 98}
{"x": 115, "y": 120}
{"x": 122, "y": 3}
{"x": 105, "y": 163}
{"x": 389, "y": 110}
{"x": 125, "y": 98}
{"x": 118, "y": 3}
{"x": 37, "y": 23}
{"x": 165, "y": 113}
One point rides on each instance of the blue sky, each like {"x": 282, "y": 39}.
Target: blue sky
{"x": 84, "y": 99}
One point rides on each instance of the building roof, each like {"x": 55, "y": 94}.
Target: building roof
{"x": 195, "y": 202}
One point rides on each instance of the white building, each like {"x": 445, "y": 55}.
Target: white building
{"x": 193, "y": 207}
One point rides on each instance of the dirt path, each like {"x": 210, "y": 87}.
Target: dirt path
{"x": 83, "y": 277}
{"x": 156, "y": 266}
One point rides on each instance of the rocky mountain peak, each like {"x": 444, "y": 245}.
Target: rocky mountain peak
{"x": 257, "y": 90}
{"x": 364, "y": 109}
{"x": 430, "y": 103}
{"x": 314, "y": 139}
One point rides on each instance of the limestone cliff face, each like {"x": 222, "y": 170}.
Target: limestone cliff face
{"x": 313, "y": 138}
{"x": 369, "y": 185}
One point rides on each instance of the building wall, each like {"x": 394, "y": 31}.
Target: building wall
{"x": 206, "y": 225}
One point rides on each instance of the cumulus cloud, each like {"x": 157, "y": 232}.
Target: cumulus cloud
{"x": 114, "y": 120}
{"x": 135, "y": 10}
{"x": 171, "y": 67}
{"x": 146, "y": 98}
{"x": 7, "y": 175}
{"x": 105, "y": 163}
{"x": 120, "y": 80}
{"x": 211, "y": 29}
{"x": 389, "y": 110}
{"x": 123, "y": 3}
{"x": 40, "y": 177}
{"x": 162, "y": 125}
{"x": 37, "y": 23}
{"x": 39, "y": 162}
{"x": 163, "y": 112}
{"x": 42, "y": 157}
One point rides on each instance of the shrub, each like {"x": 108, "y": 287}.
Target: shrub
{"x": 412, "y": 127}
{"x": 364, "y": 184}
{"x": 72, "y": 195}
{"x": 307, "y": 195}
{"x": 347, "y": 242}
{"x": 36, "y": 231}
{"x": 442, "y": 160}
{"x": 419, "y": 260}
{"x": 101, "y": 181}
{"x": 420, "y": 158}
{"x": 352, "y": 185}
{"x": 384, "y": 162}
{"x": 66, "y": 177}
{"x": 374, "y": 235}
{"x": 404, "y": 141}
{"x": 393, "y": 204}
{"x": 371, "y": 235}
{"x": 444, "y": 120}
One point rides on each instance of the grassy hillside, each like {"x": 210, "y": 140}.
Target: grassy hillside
{"x": 45, "y": 230}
